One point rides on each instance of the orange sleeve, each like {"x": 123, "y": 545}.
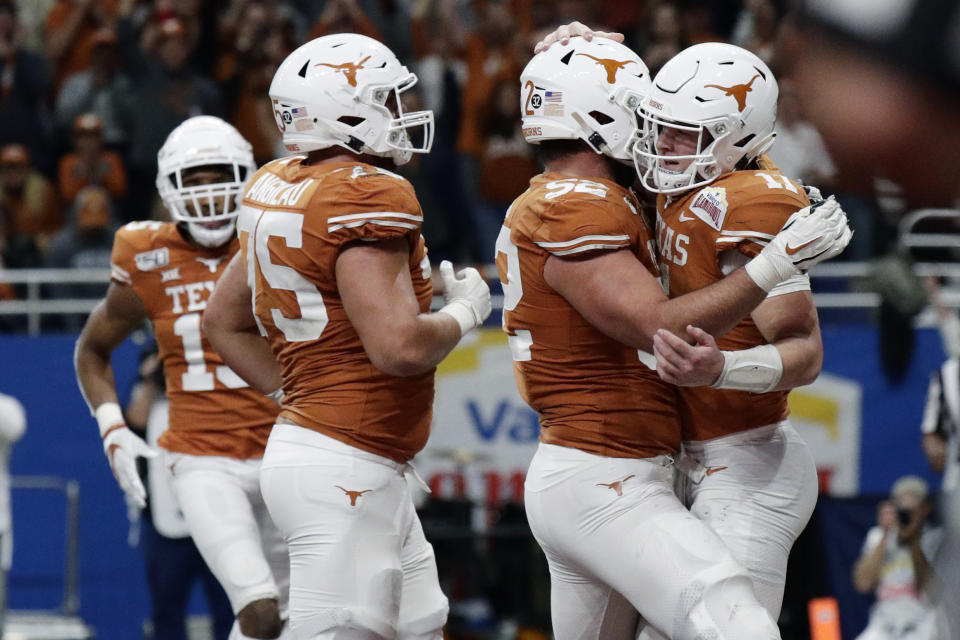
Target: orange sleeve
{"x": 580, "y": 226}
{"x": 122, "y": 263}
{"x": 758, "y": 214}
{"x": 375, "y": 207}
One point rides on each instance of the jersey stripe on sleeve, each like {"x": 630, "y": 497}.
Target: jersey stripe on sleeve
{"x": 120, "y": 274}
{"x": 585, "y": 243}
{"x": 381, "y": 218}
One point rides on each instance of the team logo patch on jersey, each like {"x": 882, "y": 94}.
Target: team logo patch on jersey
{"x": 211, "y": 263}
{"x": 170, "y": 274}
{"x": 150, "y": 260}
{"x": 710, "y": 205}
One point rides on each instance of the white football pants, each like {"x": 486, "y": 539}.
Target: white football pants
{"x": 756, "y": 489}
{"x": 360, "y": 566}
{"x": 228, "y": 521}
{"x": 617, "y": 538}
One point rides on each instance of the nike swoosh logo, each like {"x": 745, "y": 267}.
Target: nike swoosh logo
{"x": 792, "y": 250}
{"x": 713, "y": 470}
{"x": 684, "y": 217}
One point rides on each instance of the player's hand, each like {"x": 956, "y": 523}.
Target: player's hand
{"x": 123, "y": 447}
{"x": 813, "y": 194}
{"x": 810, "y": 236}
{"x": 687, "y": 365}
{"x": 887, "y": 516}
{"x": 467, "y": 296}
{"x": 563, "y": 34}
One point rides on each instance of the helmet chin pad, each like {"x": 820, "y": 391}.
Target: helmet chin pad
{"x": 212, "y": 238}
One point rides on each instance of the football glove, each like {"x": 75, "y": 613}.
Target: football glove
{"x": 122, "y": 447}
{"x": 811, "y": 235}
{"x": 467, "y": 296}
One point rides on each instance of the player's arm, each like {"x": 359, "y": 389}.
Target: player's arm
{"x": 373, "y": 279}
{"x": 231, "y": 328}
{"x": 111, "y": 321}
{"x": 616, "y": 294}
{"x": 792, "y": 358}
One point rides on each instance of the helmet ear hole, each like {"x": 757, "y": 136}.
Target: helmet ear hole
{"x": 351, "y": 121}
{"x": 601, "y": 117}
{"x": 743, "y": 142}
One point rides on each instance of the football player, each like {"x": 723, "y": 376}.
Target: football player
{"x": 165, "y": 272}
{"x": 581, "y": 296}
{"x": 707, "y": 121}
{"x": 337, "y": 272}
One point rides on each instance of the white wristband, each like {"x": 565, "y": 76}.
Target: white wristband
{"x": 461, "y": 311}
{"x": 108, "y": 415}
{"x": 757, "y": 370}
{"x": 765, "y": 271}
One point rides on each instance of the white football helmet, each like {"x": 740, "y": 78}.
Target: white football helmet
{"x": 724, "y": 94}
{"x": 204, "y": 141}
{"x": 336, "y": 91}
{"x": 586, "y": 90}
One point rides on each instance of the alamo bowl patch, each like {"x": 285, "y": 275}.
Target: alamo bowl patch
{"x": 150, "y": 260}
{"x": 710, "y": 205}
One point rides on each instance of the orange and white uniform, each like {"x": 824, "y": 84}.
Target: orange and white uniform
{"x": 333, "y": 474}
{"x": 218, "y": 425}
{"x": 598, "y": 492}
{"x": 758, "y": 504}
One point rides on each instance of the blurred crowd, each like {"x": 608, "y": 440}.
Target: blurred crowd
{"x": 90, "y": 88}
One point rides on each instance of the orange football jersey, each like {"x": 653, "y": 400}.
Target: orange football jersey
{"x": 740, "y": 211}
{"x": 212, "y": 410}
{"x": 295, "y": 221}
{"x": 590, "y": 391}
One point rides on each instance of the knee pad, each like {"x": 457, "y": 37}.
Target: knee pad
{"x": 725, "y": 609}
{"x": 341, "y": 623}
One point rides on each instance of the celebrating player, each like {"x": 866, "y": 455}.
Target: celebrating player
{"x": 335, "y": 265}
{"x": 706, "y": 123}
{"x": 165, "y": 272}
{"x": 576, "y": 262}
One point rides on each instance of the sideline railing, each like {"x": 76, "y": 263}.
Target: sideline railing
{"x": 34, "y": 305}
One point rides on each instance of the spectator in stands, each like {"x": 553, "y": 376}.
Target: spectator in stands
{"x": 756, "y": 29}
{"x": 13, "y": 424}
{"x": 99, "y": 89}
{"x": 256, "y": 40}
{"x": 84, "y": 243}
{"x": 90, "y": 164}
{"x": 172, "y": 562}
{"x": 86, "y": 240}
{"x": 895, "y": 565}
{"x": 17, "y": 251}
{"x": 23, "y": 87}
{"x": 30, "y": 197}
{"x": 799, "y": 150}
{"x": 70, "y": 33}
{"x": 495, "y": 53}
{"x": 166, "y": 93}
{"x": 343, "y": 16}
{"x": 665, "y": 39}
{"x": 506, "y": 166}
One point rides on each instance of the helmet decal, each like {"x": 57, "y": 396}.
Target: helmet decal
{"x": 610, "y": 66}
{"x": 738, "y": 91}
{"x": 349, "y": 69}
